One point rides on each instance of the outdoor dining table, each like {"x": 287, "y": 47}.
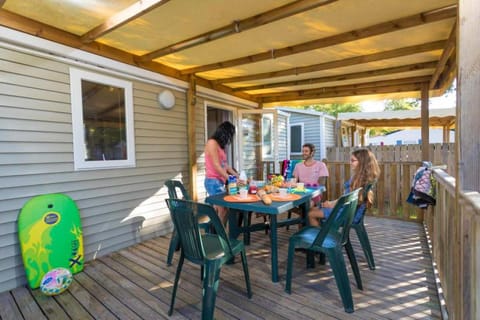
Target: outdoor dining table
{"x": 241, "y": 209}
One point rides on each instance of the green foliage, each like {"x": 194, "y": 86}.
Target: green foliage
{"x": 335, "y": 108}
{"x": 381, "y": 131}
{"x": 402, "y": 104}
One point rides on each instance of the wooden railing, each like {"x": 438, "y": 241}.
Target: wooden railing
{"x": 454, "y": 229}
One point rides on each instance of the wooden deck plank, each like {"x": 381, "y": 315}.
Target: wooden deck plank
{"x": 162, "y": 297}
{"x": 24, "y": 299}
{"x": 115, "y": 306}
{"x": 9, "y": 309}
{"x": 90, "y": 302}
{"x": 49, "y": 306}
{"x": 111, "y": 284}
{"x": 72, "y": 307}
{"x": 227, "y": 309}
{"x": 135, "y": 283}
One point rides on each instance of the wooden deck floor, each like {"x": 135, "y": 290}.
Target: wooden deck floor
{"x": 135, "y": 283}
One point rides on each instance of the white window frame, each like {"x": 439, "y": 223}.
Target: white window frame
{"x": 302, "y": 134}
{"x": 270, "y": 144}
{"x": 76, "y": 77}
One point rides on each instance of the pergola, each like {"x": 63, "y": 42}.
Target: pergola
{"x": 284, "y": 52}
{"x": 270, "y": 52}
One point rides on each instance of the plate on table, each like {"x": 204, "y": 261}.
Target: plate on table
{"x": 237, "y": 198}
{"x": 287, "y": 197}
{"x": 299, "y": 190}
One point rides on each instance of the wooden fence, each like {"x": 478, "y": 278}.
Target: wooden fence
{"x": 440, "y": 154}
{"x": 391, "y": 190}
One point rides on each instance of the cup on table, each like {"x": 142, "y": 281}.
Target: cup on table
{"x": 243, "y": 193}
{"x": 300, "y": 185}
{"x": 283, "y": 192}
{"x": 292, "y": 182}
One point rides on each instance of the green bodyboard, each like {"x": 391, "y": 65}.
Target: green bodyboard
{"x": 50, "y": 236}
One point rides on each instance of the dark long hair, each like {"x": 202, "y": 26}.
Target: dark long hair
{"x": 224, "y": 134}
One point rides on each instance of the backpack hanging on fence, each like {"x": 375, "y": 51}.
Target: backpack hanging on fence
{"x": 422, "y": 193}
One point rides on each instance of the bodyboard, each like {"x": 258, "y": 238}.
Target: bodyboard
{"x": 50, "y": 236}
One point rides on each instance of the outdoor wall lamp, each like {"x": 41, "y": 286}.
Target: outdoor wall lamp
{"x": 166, "y": 99}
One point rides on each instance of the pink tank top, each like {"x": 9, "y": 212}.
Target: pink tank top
{"x": 210, "y": 171}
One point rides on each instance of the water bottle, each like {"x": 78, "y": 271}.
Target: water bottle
{"x": 242, "y": 180}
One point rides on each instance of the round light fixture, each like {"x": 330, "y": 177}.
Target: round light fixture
{"x": 166, "y": 98}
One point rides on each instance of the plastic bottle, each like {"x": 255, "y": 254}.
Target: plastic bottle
{"x": 252, "y": 188}
{"x": 232, "y": 185}
{"x": 243, "y": 177}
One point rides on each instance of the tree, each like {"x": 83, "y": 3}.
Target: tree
{"x": 402, "y": 104}
{"x": 335, "y": 108}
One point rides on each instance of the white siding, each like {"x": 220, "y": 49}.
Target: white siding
{"x": 311, "y": 127}
{"x": 330, "y": 132}
{"x": 118, "y": 207}
{"x": 318, "y": 128}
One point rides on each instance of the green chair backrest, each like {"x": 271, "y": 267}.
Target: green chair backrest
{"x": 362, "y": 207}
{"x": 337, "y": 226}
{"x": 173, "y": 187}
{"x": 185, "y": 214}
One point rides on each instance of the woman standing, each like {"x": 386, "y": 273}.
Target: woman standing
{"x": 365, "y": 170}
{"x": 217, "y": 169}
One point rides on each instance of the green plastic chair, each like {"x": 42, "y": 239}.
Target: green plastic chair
{"x": 176, "y": 190}
{"x": 329, "y": 240}
{"x": 209, "y": 250}
{"x": 359, "y": 227}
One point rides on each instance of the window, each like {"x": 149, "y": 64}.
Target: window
{"x": 296, "y": 138}
{"x": 267, "y": 136}
{"x": 102, "y": 118}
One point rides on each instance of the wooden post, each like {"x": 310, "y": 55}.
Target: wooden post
{"x": 468, "y": 95}
{"x": 466, "y": 296}
{"x": 446, "y": 134}
{"x": 425, "y": 123}
{"x": 192, "y": 145}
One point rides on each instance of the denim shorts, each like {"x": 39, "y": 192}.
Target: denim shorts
{"x": 358, "y": 213}
{"x": 214, "y": 186}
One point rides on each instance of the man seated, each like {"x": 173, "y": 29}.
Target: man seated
{"x": 311, "y": 172}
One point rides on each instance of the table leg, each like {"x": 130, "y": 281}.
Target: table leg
{"x": 305, "y": 209}
{"x": 233, "y": 228}
{"x": 274, "y": 247}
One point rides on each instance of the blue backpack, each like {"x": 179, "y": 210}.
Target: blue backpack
{"x": 422, "y": 193}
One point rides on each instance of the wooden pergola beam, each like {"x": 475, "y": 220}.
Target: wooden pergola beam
{"x": 349, "y": 87}
{"x": 276, "y": 14}
{"x": 335, "y": 92}
{"x": 395, "y": 53}
{"x": 448, "y": 73}
{"x": 401, "y": 123}
{"x": 447, "y": 52}
{"x": 32, "y": 27}
{"x": 119, "y": 19}
{"x": 353, "y": 35}
{"x": 343, "y": 77}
